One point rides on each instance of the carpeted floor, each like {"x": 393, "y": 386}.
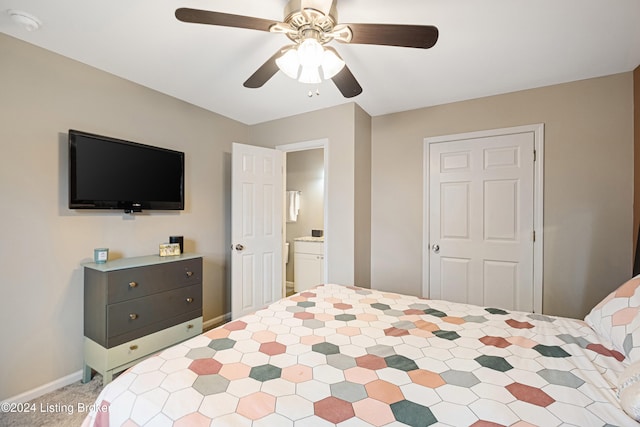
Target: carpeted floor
{"x": 66, "y": 407}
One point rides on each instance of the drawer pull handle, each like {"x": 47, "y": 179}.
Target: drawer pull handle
{"x": 133, "y": 316}
{"x": 189, "y": 273}
{"x": 133, "y": 285}
{"x": 189, "y": 326}
{"x": 133, "y": 347}
{"x": 189, "y": 300}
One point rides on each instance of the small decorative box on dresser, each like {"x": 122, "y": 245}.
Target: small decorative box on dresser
{"x": 134, "y": 307}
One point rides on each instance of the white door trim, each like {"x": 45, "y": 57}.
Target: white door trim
{"x": 538, "y": 201}
{"x": 309, "y": 145}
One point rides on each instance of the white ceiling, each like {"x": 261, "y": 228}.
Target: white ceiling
{"x": 485, "y": 48}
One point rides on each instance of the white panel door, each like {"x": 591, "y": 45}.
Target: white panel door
{"x": 256, "y": 228}
{"x": 481, "y": 221}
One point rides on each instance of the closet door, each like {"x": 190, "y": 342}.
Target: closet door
{"x": 481, "y": 213}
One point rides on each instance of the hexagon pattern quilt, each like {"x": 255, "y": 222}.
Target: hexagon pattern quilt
{"x": 347, "y": 356}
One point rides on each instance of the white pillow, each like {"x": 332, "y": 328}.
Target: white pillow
{"x": 629, "y": 390}
{"x": 617, "y": 319}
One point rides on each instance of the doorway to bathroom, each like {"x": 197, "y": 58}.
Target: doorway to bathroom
{"x": 305, "y": 215}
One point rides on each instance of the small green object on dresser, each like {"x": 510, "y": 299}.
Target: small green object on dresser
{"x": 100, "y": 255}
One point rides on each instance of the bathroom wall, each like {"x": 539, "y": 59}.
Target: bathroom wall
{"x": 305, "y": 173}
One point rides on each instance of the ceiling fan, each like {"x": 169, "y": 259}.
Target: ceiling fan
{"x": 311, "y": 25}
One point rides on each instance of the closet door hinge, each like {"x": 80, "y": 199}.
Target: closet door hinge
{"x": 535, "y": 153}
{"x": 534, "y": 235}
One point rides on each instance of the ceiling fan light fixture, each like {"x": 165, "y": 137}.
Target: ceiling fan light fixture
{"x": 289, "y": 63}
{"x": 310, "y": 53}
{"x": 310, "y": 75}
{"x": 311, "y": 25}
{"x": 332, "y": 64}
{"x": 304, "y": 62}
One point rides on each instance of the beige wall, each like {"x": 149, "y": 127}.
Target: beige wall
{"x": 588, "y": 185}
{"x": 636, "y": 155}
{"x": 305, "y": 173}
{"x": 362, "y": 244}
{"x": 43, "y": 243}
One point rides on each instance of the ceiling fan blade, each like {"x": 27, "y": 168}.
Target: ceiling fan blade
{"x": 264, "y": 73}
{"x": 418, "y": 36}
{"x": 197, "y": 16}
{"x": 347, "y": 83}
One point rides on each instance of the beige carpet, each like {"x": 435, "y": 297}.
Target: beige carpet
{"x": 66, "y": 407}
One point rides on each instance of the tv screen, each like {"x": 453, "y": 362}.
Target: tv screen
{"x": 108, "y": 173}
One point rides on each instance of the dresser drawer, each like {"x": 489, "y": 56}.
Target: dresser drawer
{"x": 120, "y": 357}
{"x": 138, "y": 313}
{"x": 138, "y": 282}
{"x": 148, "y": 344}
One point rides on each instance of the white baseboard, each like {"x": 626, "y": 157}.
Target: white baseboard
{"x": 77, "y": 376}
{"x": 211, "y": 323}
{"x": 46, "y": 388}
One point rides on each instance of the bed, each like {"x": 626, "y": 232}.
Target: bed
{"x": 349, "y": 356}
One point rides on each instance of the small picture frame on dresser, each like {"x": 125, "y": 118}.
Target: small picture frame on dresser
{"x": 169, "y": 249}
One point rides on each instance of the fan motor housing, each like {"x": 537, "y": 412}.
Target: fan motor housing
{"x": 319, "y": 15}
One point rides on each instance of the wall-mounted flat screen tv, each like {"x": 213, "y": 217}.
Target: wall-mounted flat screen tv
{"x": 109, "y": 173}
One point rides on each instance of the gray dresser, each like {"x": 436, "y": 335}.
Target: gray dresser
{"x": 134, "y": 307}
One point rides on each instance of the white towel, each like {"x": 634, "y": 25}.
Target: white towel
{"x": 293, "y": 205}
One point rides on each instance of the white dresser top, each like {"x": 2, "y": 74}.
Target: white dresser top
{"x": 122, "y": 263}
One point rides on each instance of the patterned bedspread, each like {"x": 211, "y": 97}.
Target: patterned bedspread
{"x": 355, "y": 357}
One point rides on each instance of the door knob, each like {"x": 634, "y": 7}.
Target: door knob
{"x": 436, "y": 248}
{"x": 239, "y": 247}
